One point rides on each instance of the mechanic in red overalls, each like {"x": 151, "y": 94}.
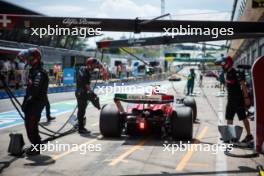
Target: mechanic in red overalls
{"x": 84, "y": 92}
{"x": 238, "y": 99}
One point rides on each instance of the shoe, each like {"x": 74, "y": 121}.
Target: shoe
{"x": 84, "y": 131}
{"x": 50, "y": 118}
{"x": 248, "y": 139}
{"x": 31, "y": 152}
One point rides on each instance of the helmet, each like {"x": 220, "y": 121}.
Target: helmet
{"x": 31, "y": 55}
{"x": 227, "y": 63}
{"x": 91, "y": 62}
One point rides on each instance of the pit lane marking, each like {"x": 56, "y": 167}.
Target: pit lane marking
{"x": 221, "y": 163}
{"x": 61, "y": 109}
{"x": 127, "y": 153}
{"x": 4, "y": 121}
{"x": 189, "y": 154}
{"x": 199, "y": 165}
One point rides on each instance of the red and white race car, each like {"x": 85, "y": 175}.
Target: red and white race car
{"x": 149, "y": 113}
{"x": 174, "y": 77}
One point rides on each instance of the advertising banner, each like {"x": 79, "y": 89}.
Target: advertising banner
{"x": 68, "y": 76}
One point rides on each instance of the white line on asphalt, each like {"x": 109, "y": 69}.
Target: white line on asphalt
{"x": 220, "y": 163}
{"x": 95, "y": 124}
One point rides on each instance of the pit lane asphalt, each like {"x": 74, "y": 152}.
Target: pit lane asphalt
{"x": 133, "y": 156}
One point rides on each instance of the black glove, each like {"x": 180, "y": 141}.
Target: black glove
{"x": 94, "y": 99}
{"x": 96, "y": 103}
{"x": 25, "y": 103}
{"x": 23, "y": 106}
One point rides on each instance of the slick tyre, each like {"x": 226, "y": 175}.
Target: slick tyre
{"x": 110, "y": 121}
{"x": 182, "y": 123}
{"x": 190, "y": 102}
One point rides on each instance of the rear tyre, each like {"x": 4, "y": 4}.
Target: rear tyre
{"x": 110, "y": 121}
{"x": 182, "y": 123}
{"x": 190, "y": 102}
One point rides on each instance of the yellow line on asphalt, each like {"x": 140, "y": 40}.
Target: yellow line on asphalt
{"x": 202, "y": 133}
{"x": 127, "y": 153}
{"x": 198, "y": 165}
{"x": 56, "y": 157}
{"x": 189, "y": 154}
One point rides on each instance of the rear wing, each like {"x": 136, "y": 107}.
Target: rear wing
{"x": 144, "y": 99}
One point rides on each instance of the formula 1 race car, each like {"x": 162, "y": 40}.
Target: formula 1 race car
{"x": 174, "y": 78}
{"x": 149, "y": 113}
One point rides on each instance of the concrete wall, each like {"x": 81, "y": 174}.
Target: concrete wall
{"x": 250, "y": 51}
{"x": 244, "y": 45}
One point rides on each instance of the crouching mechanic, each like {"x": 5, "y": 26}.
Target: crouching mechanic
{"x": 36, "y": 97}
{"x": 84, "y": 91}
{"x": 238, "y": 97}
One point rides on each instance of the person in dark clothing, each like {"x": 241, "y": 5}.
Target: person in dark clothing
{"x": 238, "y": 97}
{"x": 35, "y": 98}
{"x": 49, "y": 117}
{"x": 201, "y": 80}
{"x": 222, "y": 81}
{"x": 84, "y": 92}
{"x": 190, "y": 82}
